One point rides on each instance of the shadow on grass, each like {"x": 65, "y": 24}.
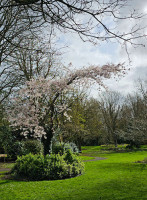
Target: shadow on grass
{"x": 110, "y": 167}
{"x": 6, "y": 181}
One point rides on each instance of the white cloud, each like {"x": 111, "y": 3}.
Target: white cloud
{"x": 83, "y": 54}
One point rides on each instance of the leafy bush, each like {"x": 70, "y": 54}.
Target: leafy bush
{"x": 14, "y": 149}
{"x": 7, "y": 140}
{"x": 32, "y": 146}
{"x": 57, "y": 148}
{"x": 19, "y": 148}
{"x": 29, "y": 165}
{"x": 55, "y": 166}
{"x": 133, "y": 145}
{"x": 61, "y": 148}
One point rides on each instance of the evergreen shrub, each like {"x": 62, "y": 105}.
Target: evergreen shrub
{"x": 49, "y": 167}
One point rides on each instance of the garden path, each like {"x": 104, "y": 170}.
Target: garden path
{"x": 95, "y": 159}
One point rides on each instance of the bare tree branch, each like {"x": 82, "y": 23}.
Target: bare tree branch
{"x": 87, "y": 18}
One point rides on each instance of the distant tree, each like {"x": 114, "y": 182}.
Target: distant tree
{"x": 110, "y": 106}
{"x": 135, "y": 130}
{"x": 74, "y": 129}
{"x": 93, "y": 123}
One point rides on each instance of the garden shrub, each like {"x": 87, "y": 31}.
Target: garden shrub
{"x": 19, "y": 148}
{"x": 29, "y": 166}
{"x": 8, "y": 144}
{"x": 61, "y": 148}
{"x": 74, "y": 160}
{"x": 14, "y": 146}
{"x": 14, "y": 149}
{"x": 133, "y": 145}
{"x": 49, "y": 167}
{"x": 58, "y": 147}
{"x": 32, "y": 146}
{"x": 70, "y": 157}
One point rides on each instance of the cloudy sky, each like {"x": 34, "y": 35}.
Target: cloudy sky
{"x": 84, "y": 54}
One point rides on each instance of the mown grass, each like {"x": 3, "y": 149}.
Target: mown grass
{"x": 116, "y": 178}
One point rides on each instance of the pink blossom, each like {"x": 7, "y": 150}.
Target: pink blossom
{"x": 31, "y": 107}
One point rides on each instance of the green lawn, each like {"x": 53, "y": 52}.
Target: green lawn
{"x": 116, "y": 178}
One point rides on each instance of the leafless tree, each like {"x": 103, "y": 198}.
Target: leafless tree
{"x": 31, "y": 60}
{"x": 87, "y": 18}
{"x": 142, "y": 89}
{"x": 136, "y": 106}
{"x": 110, "y": 106}
{"x": 14, "y": 29}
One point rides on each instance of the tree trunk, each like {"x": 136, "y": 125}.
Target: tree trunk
{"x": 47, "y": 141}
{"x": 49, "y": 132}
{"x": 115, "y": 143}
{"x": 79, "y": 144}
{"x": 115, "y": 139}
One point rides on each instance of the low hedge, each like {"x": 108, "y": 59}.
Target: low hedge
{"x": 49, "y": 167}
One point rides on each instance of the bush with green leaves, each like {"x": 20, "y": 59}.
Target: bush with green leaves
{"x": 32, "y": 146}
{"x": 61, "y": 148}
{"x": 13, "y": 149}
{"x": 57, "y": 147}
{"x": 49, "y": 167}
{"x": 19, "y": 148}
{"x": 7, "y": 140}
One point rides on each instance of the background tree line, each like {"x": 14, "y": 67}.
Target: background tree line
{"x": 111, "y": 119}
